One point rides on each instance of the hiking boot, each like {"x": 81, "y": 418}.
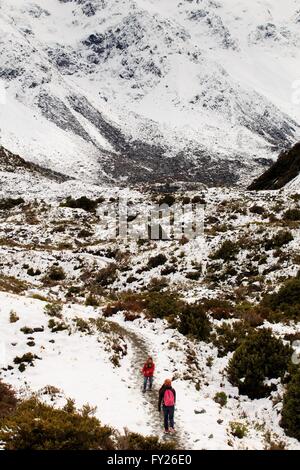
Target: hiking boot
{"x": 172, "y": 430}
{"x": 166, "y": 431}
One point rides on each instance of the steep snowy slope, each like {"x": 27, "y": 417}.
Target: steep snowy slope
{"x": 284, "y": 173}
{"x": 150, "y": 89}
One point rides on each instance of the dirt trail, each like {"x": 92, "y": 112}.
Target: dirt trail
{"x": 141, "y": 352}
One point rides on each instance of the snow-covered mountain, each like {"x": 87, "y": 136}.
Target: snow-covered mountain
{"x": 139, "y": 90}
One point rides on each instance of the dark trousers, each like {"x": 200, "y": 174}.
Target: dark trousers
{"x": 168, "y": 416}
{"x": 146, "y": 380}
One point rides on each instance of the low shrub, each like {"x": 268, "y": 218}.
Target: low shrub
{"x": 257, "y": 210}
{"x": 107, "y": 276}
{"x": 221, "y": 398}
{"x": 33, "y": 272}
{"x": 282, "y": 238}
{"x": 217, "y": 308}
{"x": 290, "y": 420}
{"x": 92, "y": 301}
{"x": 238, "y": 430}
{"x": 10, "y": 203}
{"x": 56, "y": 326}
{"x": 193, "y": 275}
{"x": 228, "y": 251}
{"x": 53, "y": 310}
{"x": 134, "y": 441}
{"x": 292, "y": 215}
{"x": 12, "y": 284}
{"x": 25, "y": 360}
{"x": 83, "y": 202}
{"x": 167, "y": 199}
{"x": 162, "y": 304}
{"x": 27, "y": 330}
{"x": 37, "y": 426}
{"x": 259, "y": 357}
{"x": 227, "y": 338}
{"x": 54, "y": 274}
{"x": 156, "y": 261}
{"x": 8, "y": 400}
{"x": 157, "y": 284}
{"x": 13, "y": 317}
{"x": 82, "y": 325}
{"x": 286, "y": 300}
{"x": 194, "y": 322}
{"x": 129, "y": 302}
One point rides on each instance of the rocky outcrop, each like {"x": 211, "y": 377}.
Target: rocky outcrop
{"x": 11, "y": 163}
{"x": 286, "y": 169}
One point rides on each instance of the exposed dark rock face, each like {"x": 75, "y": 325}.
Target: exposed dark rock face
{"x": 56, "y": 111}
{"x": 282, "y": 172}
{"x": 137, "y": 161}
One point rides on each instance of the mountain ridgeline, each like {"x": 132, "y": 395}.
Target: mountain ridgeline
{"x": 149, "y": 90}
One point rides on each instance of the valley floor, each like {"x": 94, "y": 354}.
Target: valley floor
{"x": 84, "y": 354}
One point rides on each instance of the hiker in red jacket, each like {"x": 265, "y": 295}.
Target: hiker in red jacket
{"x": 167, "y": 397}
{"x": 148, "y": 372}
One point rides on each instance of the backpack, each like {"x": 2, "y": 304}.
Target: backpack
{"x": 169, "y": 399}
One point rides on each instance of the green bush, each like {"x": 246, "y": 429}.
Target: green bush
{"x": 157, "y": 260}
{"x": 227, "y": 338}
{"x": 157, "y": 284}
{"x": 33, "y": 272}
{"x": 8, "y": 400}
{"x": 257, "y": 210}
{"x": 217, "y": 308}
{"x": 28, "y": 358}
{"x": 37, "y": 426}
{"x": 260, "y": 356}
{"x": 193, "y": 275}
{"x": 25, "y": 360}
{"x": 227, "y": 251}
{"x": 221, "y": 398}
{"x": 53, "y": 310}
{"x": 282, "y": 238}
{"x": 82, "y": 325}
{"x": 286, "y": 300}
{"x": 92, "y": 301}
{"x": 56, "y": 326}
{"x": 13, "y": 317}
{"x": 238, "y": 430}
{"x": 292, "y": 215}
{"x": 167, "y": 199}
{"x": 162, "y": 304}
{"x": 107, "y": 276}
{"x": 33, "y": 425}
{"x": 27, "y": 330}
{"x": 54, "y": 274}
{"x": 291, "y": 407}
{"x": 83, "y": 202}
{"x": 10, "y": 203}
{"x": 134, "y": 441}
{"x": 194, "y": 322}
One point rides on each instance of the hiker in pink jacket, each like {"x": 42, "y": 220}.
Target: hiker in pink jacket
{"x": 167, "y": 398}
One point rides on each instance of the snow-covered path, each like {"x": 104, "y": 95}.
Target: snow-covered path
{"x": 141, "y": 351}
{"x": 79, "y": 364}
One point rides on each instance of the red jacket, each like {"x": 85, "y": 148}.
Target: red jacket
{"x": 147, "y": 370}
